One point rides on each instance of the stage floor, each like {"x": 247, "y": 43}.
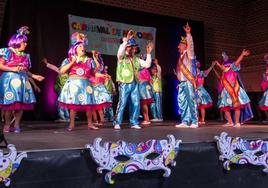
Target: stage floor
{"x": 39, "y": 136}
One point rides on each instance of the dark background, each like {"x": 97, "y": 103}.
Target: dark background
{"x": 49, "y": 37}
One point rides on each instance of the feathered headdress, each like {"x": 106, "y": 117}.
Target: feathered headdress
{"x": 24, "y": 30}
{"x": 79, "y": 37}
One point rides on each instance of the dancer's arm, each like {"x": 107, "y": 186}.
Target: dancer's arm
{"x": 148, "y": 61}
{"x": 9, "y": 69}
{"x": 190, "y": 43}
{"x": 36, "y": 88}
{"x": 217, "y": 74}
{"x": 122, "y": 47}
{"x": 210, "y": 68}
{"x": 51, "y": 66}
{"x": 66, "y": 67}
{"x": 244, "y": 53}
{"x": 35, "y": 76}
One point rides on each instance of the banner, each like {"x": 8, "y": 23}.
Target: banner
{"x": 104, "y": 36}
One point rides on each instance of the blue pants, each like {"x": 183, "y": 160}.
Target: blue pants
{"x": 109, "y": 112}
{"x": 187, "y": 100}
{"x": 127, "y": 92}
{"x": 156, "y": 107}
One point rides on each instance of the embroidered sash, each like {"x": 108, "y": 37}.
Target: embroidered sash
{"x": 187, "y": 73}
{"x": 233, "y": 91}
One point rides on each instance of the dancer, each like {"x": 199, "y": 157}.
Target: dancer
{"x": 127, "y": 69}
{"x": 186, "y": 73}
{"x": 156, "y": 107}
{"x": 204, "y": 100}
{"x": 77, "y": 93}
{"x": 101, "y": 96}
{"x": 109, "y": 85}
{"x": 63, "y": 113}
{"x": 16, "y": 93}
{"x": 146, "y": 94}
{"x": 233, "y": 97}
{"x": 263, "y": 104}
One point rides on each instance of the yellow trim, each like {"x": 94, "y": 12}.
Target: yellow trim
{"x": 187, "y": 73}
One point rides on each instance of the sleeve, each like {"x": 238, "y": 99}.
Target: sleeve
{"x": 121, "y": 50}
{"x": 147, "y": 62}
{"x": 190, "y": 46}
{"x": 65, "y": 62}
{"x": 5, "y": 53}
{"x": 235, "y": 68}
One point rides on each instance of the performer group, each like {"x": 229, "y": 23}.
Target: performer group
{"x": 84, "y": 84}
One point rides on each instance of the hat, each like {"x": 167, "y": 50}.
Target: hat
{"x": 131, "y": 42}
{"x": 79, "y": 37}
{"x": 24, "y": 30}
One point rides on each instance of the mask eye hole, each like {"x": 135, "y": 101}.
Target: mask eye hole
{"x": 259, "y": 153}
{"x": 237, "y": 151}
{"x": 152, "y": 156}
{"x": 122, "y": 158}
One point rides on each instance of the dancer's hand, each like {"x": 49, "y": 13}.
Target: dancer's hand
{"x": 187, "y": 28}
{"x": 245, "y": 52}
{"x": 130, "y": 34}
{"x": 149, "y": 47}
{"x": 44, "y": 60}
{"x": 38, "y": 77}
{"x": 217, "y": 63}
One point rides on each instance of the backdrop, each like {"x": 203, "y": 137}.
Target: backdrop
{"x": 49, "y": 37}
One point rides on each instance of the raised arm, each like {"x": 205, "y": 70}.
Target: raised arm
{"x": 148, "y": 61}
{"x": 240, "y": 58}
{"x": 210, "y": 68}
{"x": 190, "y": 43}
{"x": 217, "y": 74}
{"x": 122, "y": 47}
{"x": 51, "y": 66}
{"x": 222, "y": 67}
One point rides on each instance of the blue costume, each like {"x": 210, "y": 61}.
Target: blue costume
{"x": 263, "y": 104}
{"x": 127, "y": 78}
{"x": 16, "y": 92}
{"x": 186, "y": 72}
{"x": 204, "y": 100}
{"x": 156, "y": 107}
{"x": 77, "y": 92}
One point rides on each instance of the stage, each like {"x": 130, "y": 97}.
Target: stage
{"x": 36, "y": 136}
{"x": 56, "y": 157}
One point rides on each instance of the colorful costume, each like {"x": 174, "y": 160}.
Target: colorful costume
{"x": 233, "y": 96}
{"x": 127, "y": 78}
{"x": 145, "y": 88}
{"x": 186, "y": 71}
{"x": 263, "y": 104}
{"x": 77, "y": 92}
{"x": 156, "y": 107}
{"x": 16, "y": 92}
{"x": 101, "y": 96}
{"x": 108, "y": 111}
{"x": 204, "y": 100}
